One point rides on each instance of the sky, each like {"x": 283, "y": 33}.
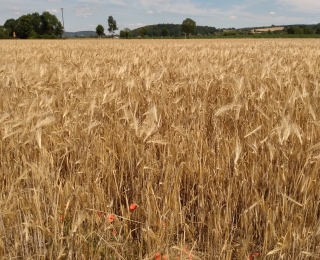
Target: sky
{"x": 83, "y": 15}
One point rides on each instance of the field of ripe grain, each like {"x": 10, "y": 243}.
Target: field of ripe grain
{"x": 197, "y": 149}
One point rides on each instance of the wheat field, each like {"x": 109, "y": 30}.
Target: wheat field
{"x": 160, "y": 149}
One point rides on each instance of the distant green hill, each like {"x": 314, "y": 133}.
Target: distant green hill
{"x": 173, "y": 30}
{"x": 285, "y": 26}
{"x": 80, "y": 33}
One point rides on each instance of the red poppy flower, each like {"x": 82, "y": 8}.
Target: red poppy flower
{"x": 114, "y": 232}
{"x": 157, "y": 256}
{"x": 99, "y": 214}
{"x": 111, "y": 218}
{"x": 133, "y": 207}
{"x": 253, "y": 255}
{"x": 164, "y": 256}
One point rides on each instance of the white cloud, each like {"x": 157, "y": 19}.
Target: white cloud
{"x": 15, "y": 11}
{"x": 83, "y": 11}
{"x": 149, "y": 12}
{"x": 233, "y": 17}
{"x": 179, "y": 7}
{"x": 107, "y": 2}
{"x": 311, "y": 6}
{"x": 272, "y": 13}
{"x": 53, "y": 11}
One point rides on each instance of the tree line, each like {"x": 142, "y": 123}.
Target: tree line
{"x": 303, "y": 29}
{"x": 112, "y": 23}
{"x": 176, "y": 30}
{"x": 187, "y": 28}
{"x": 32, "y": 25}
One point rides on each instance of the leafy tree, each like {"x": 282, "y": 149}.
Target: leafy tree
{"x": 164, "y": 31}
{"x": 188, "y": 26}
{"x": 300, "y": 30}
{"x": 318, "y": 30}
{"x": 100, "y": 30}
{"x": 36, "y": 22}
{"x": 24, "y": 27}
{"x": 35, "y": 26}
{"x": 174, "y": 30}
{"x": 307, "y": 30}
{"x": 295, "y": 30}
{"x": 112, "y": 25}
{"x": 290, "y": 30}
{"x": 143, "y": 31}
{"x": 9, "y": 26}
{"x": 3, "y": 33}
{"x": 50, "y": 25}
{"x": 127, "y": 32}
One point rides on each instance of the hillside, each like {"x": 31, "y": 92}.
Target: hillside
{"x": 285, "y": 26}
{"x": 80, "y": 33}
{"x": 173, "y": 30}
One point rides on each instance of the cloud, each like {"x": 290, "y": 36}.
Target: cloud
{"x": 248, "y": 10}
{"x": 178, "y": 7}
{"x": 53, "y": 10}
{"x": 243, "y": 13}
{"x": 106, "y": 2}
{"x": 150, "y": 12}
{"x": 83, "y": 11}
{"x": 15, "y": 11}
{"x": 311, "y": 6}
{"x": 134, "y": 24}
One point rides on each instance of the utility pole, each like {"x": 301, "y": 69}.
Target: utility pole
{"x": 62, "y": 20}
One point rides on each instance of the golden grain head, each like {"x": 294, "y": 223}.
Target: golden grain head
{"x": 216, "y": 141}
